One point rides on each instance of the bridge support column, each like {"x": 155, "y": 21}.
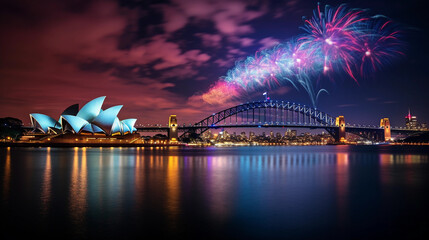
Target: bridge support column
{"x": 172, "y": 132}
{"x": 341, "y": 130}
{"x": 385, "y": 124}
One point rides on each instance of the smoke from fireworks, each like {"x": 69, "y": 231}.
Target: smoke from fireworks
{"x": 336, "y": 41}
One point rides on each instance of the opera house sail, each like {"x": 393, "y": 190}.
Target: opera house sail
{"x": 90, "y": 119}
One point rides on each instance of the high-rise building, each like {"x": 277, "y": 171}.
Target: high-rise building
{"x": 251, "y": 135}
{"x": 226, "y": 135}
{"x": 243, "y": 135}
{"x": 287, "y": 133}
{"x": 290, "y": 133}
{"x": 208, "y": 135}
{"x": 411, "y": 121}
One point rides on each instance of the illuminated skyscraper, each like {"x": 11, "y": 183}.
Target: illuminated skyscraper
{"x": 411, "y": 121}
{"x": 287, "y": 133}
{"x": 243, "y": 135}
{"x": 251, "y": 135}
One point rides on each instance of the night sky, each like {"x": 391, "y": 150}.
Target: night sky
{"x": 158, "y": 57}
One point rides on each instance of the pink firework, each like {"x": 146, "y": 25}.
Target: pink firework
{"x": 335, "y": 34}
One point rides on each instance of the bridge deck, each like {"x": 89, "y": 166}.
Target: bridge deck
{"x": 279, "y": 125}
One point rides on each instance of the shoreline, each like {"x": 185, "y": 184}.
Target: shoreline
{"x": 71, "y": 145}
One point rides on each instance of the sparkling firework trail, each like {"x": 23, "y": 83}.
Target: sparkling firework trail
{"x": 380, "y": 47}
{"x": 335, "y": 33}
{"x": 337, "y": 40}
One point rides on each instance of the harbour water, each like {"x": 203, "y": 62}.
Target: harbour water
{"x": 253, "y": 192}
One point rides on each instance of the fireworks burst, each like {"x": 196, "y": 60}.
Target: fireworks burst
{"x": 336, "y": 40}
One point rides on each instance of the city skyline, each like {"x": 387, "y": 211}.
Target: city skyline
{"x": 158, "y": 58}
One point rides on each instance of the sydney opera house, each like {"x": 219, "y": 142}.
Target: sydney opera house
{"x": 89, "y": 119}
{"x": 89, "y": 123}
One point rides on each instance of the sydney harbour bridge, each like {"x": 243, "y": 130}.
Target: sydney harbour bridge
{"x": 280, "y": 114}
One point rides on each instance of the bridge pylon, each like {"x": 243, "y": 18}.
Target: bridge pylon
{"x": 172, "y": 132}
{"x": 340, "y": 135}
{"x": 385, "y": 124}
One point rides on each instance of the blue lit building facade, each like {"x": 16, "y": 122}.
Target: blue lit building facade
{"x": 90, "y": 119}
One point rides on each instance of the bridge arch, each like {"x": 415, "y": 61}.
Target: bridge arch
{"x": 284, "y": 112}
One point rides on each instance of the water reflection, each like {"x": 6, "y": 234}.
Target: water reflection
{"x": 396, "y": 159}
{"x": 78, "y": 190}
{"x": 139, "y": 179}
{"x": 279, "y": 189}
{"x": 342, "y": 182}
{"x": 46, "y": 184}
{"x": 219, "y": 185}
{"x": 6, "y": 180}
{"x": 173, "y": 189}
